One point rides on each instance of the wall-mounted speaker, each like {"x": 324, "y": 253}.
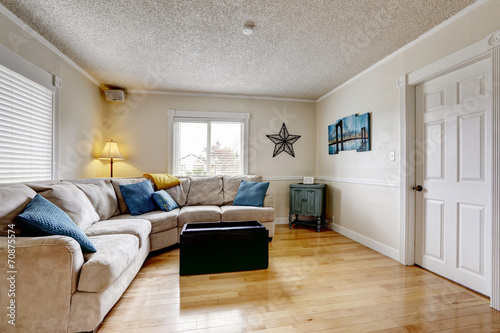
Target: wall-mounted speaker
{"x": 115, "y": 95}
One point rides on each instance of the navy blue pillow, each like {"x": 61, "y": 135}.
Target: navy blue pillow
{"x": 164, "y": 200}
{"x": 251, "y": 194}
{"x": 43, "y": 215}
{"x": 138, "y": 197}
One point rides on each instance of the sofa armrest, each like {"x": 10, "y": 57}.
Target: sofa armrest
{"x": 46, "y": 276}
{"x": 269, "y": 201}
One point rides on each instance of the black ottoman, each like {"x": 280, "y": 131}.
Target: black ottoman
{"x": 223, "y": 247}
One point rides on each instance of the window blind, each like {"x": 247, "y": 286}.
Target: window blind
{"x": 26, "y": 121}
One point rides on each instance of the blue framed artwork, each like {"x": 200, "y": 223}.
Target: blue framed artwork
{"x": 349, "y": 133}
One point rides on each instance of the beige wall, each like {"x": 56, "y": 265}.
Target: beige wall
{"x": 80, "y": 104}
{"x": 140, "y": 125}
{"x": 372, "y": 211}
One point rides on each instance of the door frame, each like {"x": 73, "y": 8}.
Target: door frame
{"x": 488, "y": 48}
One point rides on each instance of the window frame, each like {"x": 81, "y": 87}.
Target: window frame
{"x": 174, "y": 115}
{"x": 16, "y": 63}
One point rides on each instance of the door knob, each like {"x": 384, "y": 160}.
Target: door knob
{"x": 418, "y": 188}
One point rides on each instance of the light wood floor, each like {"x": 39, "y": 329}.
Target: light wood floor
{"x": 316, "y": 282}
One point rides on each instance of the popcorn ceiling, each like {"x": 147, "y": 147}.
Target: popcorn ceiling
{"x": 299, "y": 49}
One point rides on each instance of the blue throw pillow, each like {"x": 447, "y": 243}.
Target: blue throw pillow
{"x": 138, "y": 197}
{"x": 251, "y": 194}
{"x": 164, "y": 200}
{"x": 41, "y": 214}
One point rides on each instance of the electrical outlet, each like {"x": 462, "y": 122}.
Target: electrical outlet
{"x": 392, "y": 156}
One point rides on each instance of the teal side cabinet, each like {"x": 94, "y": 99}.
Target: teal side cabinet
{"x": 307, "y": 200}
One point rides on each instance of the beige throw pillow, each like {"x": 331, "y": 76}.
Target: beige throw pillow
{"x": 13, "y": 201}
{"x": 180, "y": 192}
{"x": 206, "y": 191}
{"x": 102, "y": 196}
{"x": 71, "y": 200}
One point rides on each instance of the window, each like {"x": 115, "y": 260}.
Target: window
{"x": 26, "y": 122}
{"x": 208, "y": 143}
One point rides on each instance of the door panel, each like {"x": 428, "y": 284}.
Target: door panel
{"x": 434, "y": 100}
{"x": 470, "y": 89}
{"x": 454, "y": 158}
{"x": 471, "y": 238}
{"x": 471, "y": 147}
{"x": 297, "y": 197}
{"x": 433, "y": 229}
{"x": 311, "y": 203}
{"x": 434, "y": 151}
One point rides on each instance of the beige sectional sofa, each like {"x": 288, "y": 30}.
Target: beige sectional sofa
{"x": 59, "y": 288}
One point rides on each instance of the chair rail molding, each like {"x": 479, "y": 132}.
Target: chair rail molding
{"x": 369, "y": 182}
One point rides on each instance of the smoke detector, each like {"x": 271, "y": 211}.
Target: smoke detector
{"x": 248, "y": 29}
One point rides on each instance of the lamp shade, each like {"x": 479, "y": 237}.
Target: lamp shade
{"x": 111, "y": 151}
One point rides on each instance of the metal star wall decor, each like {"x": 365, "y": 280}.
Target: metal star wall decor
{"x": 283, "y": 141}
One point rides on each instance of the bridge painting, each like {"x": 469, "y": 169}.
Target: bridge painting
{"x": 349, "y": 133}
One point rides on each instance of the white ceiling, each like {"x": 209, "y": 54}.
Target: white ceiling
{"x": 300, "y": 49}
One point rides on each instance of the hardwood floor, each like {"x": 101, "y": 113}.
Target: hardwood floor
{"x": 316, "y": 282}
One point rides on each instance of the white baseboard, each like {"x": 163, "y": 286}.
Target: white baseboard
{"x": 366, "y": 241}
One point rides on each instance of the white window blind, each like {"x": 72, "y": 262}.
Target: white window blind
{"x": 26, "y": 121}
{"x": 204, "y": 145}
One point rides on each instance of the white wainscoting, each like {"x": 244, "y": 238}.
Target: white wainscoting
{"x": 364, "y": 240}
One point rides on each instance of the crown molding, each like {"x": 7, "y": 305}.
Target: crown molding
{"x": 46, "y": 43}
{"x": 198, "y": 94}
{"x": 410, "y": 45}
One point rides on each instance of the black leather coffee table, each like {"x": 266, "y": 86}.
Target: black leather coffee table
{"x": 223, "y": 247}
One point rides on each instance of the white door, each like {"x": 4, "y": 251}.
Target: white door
{"x": 454, "y": 158}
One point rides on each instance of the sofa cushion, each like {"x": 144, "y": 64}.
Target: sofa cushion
{"x": 134, "y": 226}
{"x": 71, "y": 200}
{"x": 232, "y": 183}
{"x": 251, "y": 194}
{"x": 13, "y": 200}
{"x": 102, "y": 196}
{"x": 116, "y": 182}
{"x": 159, "y": 220}
{"x": 180, "y": 192}
{"x": 247, "y": 213}
{"x": 43, "y": 215}
{"x": 193, "y": 214}
{"x": 114, "y": 254}
{"x": 206, "y": 191}
{"x": 164, "y": 201}
{"x": 138, "y": 197}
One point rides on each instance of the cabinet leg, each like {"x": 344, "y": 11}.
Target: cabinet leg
{"x": 318, "y": 227}
{"x": 289, "y": 221}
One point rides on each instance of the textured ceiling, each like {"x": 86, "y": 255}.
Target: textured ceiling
{"x": 300, "y": 48}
